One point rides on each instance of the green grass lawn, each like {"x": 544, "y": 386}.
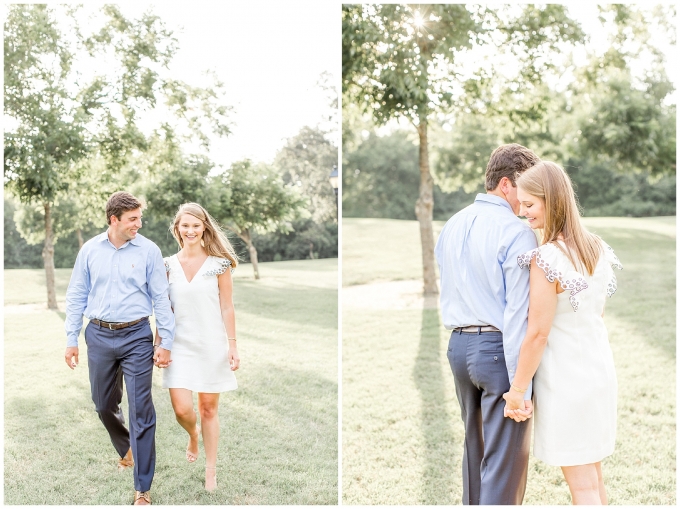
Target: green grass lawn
{"x": 402, "y": 433}
{"x": 279, "y": 434}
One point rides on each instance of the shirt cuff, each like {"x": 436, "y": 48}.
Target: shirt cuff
{"x": 71, "y": 341}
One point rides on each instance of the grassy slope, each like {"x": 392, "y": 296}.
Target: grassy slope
{"x": 402, "y": 433}
{"x": 279, "y": 429}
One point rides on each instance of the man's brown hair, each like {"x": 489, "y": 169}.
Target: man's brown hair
{"x": 120, "y": 202}
{"x": 508, "y": 161}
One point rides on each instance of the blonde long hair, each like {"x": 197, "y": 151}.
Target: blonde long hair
{"x": 551, "y": 184}
{"x": 214, "y": 240}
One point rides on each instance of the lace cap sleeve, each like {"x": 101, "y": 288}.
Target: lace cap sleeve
{"x": 219, "y": 266}
{"x": 556, "y": 266}
{"x": 614, "y": 262}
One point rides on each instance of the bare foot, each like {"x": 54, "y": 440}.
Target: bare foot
{"x": 192, "y": 448}
{"x": 210, "y": 478}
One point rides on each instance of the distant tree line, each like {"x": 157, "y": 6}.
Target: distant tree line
{"x": 302, "y": 165}
{"x": 379, "y": 180}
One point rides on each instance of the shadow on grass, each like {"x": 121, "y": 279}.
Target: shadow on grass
{"x": 440, "y": 451}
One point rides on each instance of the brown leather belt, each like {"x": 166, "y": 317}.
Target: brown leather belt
{"x": 116, "y": 326}
{"x": 476, "y": 328}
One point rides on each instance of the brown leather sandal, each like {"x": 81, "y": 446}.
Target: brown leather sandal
{"x": 126, "y": 462}
{"x": 142, "y": 495}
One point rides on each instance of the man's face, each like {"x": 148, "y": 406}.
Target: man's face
{"x": 126, "y": 228}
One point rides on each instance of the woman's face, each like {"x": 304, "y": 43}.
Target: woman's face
{"x": 531, "y": 207}
{"x": 190, "y": 229}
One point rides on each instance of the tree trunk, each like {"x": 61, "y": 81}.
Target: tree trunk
{"x": 79, "y": 232}
{"x": 48, "y": 259}
{"x": 424, "y": 207}
{"x": 245, "y": 235}
{"x": 311, "y": 250}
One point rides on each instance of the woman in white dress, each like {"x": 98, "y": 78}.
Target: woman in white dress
{"x": 204, "y": 353}
{"x": 566, "y": 349}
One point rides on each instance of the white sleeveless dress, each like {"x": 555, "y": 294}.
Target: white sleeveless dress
{"x": 199, "y": 352}
{"x": 575, "y": 384}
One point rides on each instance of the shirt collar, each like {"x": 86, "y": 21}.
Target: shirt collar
{"x": 495, "y": 200}
{"x": 105, "y": 236}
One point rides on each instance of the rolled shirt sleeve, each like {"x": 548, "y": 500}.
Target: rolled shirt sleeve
{"x": 158, "y": 291}
{"x": 76, "y": 298}
{"x": 516, "y": 312}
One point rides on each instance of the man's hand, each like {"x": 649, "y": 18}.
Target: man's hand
{"x": 161, "y": 357}
{"x": 524, "y": 412}
{"x": 71, "y": 353}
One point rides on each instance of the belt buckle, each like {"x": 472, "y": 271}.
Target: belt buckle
{"x": 110, "y": 326}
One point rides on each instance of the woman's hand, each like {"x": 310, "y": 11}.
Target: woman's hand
{"x": 515, "y": 407}
{"x": 234, "y": 359}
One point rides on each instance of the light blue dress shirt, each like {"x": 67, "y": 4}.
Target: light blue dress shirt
{"x": 481, "y": 282}
{"x": 119, "y": 285}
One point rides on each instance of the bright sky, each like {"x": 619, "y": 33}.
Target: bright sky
{"x": 270, "y": 57}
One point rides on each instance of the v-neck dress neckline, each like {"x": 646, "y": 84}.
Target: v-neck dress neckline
{"x": 185, "y": 274}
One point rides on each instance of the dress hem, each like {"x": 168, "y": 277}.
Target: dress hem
{"x": 569, "y": 461}
{"x": 210, "y": 390}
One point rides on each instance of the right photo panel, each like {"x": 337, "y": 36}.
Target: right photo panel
{"x": 508, "y": 254}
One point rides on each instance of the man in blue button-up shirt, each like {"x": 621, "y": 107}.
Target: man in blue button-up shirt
{"x": 485, "y": 300}
{"x": 119, "y": 276}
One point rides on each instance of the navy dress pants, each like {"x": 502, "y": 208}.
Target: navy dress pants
{"x": 496, "y": 454}
{"x": 114, "y": 356}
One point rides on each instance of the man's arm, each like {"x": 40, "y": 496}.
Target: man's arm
{"x": 516, "y": 301}
{"x": 158, "y": 291}
{"x": 76, "y": 302}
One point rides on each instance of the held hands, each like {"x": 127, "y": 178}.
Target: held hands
{"x": 161, "y": 357}
{"x": 71, "y": 356}
{"x": 234, "y": 359}
{"x": 516, "y": 407}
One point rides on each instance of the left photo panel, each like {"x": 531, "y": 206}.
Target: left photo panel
{"x": 171, "y": 254}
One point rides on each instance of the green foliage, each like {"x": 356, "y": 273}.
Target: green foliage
{"x": 400, "y": 60}
{"x": 603, "y": 191}
{"x": 380, "y": 180}
{"x": 387, "y": 53}
{"x": 308, "y": 239}
{"x": 306, "y": 161}
{"x": 258, "y": 199}
{"x": 18, "y": 253}
{"x": 630, "y": 126}
{"x": 462, "y": 154}
{"x": 73, "y": 133}
{"x": 46, "y": 134}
